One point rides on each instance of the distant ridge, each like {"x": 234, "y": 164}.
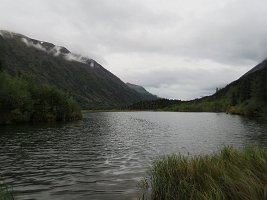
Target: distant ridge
{"x": 142, "y": 91}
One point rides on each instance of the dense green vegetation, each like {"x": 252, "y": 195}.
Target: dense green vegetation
{"x": 93, "y": 87}
{"x": 5, "y": 194}
{"x": 246, "y": 96}
{"x": 22, "y": 100}
{"x": 228, "y": 174}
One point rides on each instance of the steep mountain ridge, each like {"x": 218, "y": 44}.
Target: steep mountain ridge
{"x": 92, "y": 85}
{"x": 259, "y": 67}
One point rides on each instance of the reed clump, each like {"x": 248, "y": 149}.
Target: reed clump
{"x": 229, "y": 173}
{"x": 5, "y": 193}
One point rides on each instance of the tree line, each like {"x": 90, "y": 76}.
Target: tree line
{"x": 22, "y": 100}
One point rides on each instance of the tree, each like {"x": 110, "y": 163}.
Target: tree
{"x": 1, "y": 66}
{"x": 233, "y": 99}
{"x": 244, "y": 90}
{"x": 259, "y": 88}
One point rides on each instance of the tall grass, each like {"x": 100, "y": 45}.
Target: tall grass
{"x": 227, "y": 174}
{"x": 5, "y": 193}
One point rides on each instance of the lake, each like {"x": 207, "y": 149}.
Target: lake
{"x": 104, "y": 155}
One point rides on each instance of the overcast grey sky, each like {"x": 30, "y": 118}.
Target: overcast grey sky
{"x": 174, "y": 48}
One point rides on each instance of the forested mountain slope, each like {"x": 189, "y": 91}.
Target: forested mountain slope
{"x": 88, "y": 82}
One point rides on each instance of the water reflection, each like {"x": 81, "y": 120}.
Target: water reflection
{"x": 104, "y": 155}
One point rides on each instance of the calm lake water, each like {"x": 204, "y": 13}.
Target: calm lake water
{"x": 104, "y": 155}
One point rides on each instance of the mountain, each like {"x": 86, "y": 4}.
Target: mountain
{"x": 245, "y": 96}
{"x": 259, "y": 67}
{"x": 92, "y": 85}
{"x": 142, "y": 91}
{"x": 251, "y": 86}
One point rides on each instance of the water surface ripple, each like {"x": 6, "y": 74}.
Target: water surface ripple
{"x": 104, "y": 155}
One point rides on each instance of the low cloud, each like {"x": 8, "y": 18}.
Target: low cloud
{"x": 57, "y": 51}
{"x": 31, "y": 44}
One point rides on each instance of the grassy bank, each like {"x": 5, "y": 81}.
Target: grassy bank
{"x": 227, "y": 174}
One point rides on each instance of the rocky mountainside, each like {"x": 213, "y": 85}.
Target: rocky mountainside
{"x": 92, "y": 85}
